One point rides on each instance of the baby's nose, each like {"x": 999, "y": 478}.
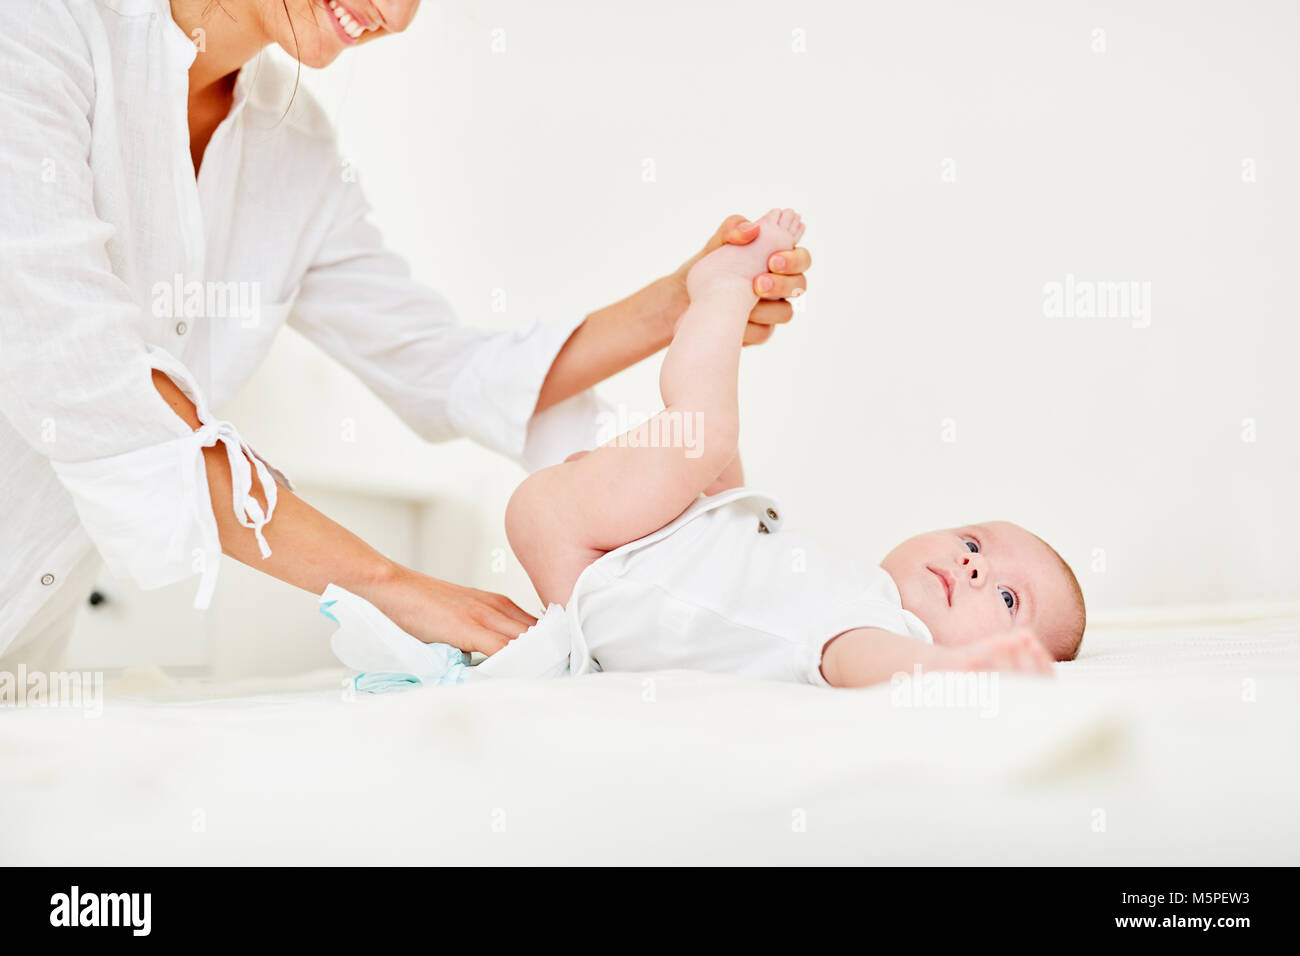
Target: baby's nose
{"x": 975, "y": 570}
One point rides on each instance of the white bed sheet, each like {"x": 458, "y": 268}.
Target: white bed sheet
{"x": 1148, "y": 750}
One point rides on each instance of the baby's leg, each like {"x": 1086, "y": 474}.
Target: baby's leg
{"x": 562, "y": 518}
{"x": 733, "y": 476}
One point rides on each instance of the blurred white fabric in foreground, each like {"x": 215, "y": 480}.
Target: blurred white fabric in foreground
{"x": 1160, "y": 745}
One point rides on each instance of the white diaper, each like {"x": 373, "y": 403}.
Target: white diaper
{"x": 541, "y": 651}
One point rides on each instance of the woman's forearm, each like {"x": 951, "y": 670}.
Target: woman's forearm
{"x": 308, "y": 549}
{"x": 614, "y": 338}
{"x": 311, "y": 551}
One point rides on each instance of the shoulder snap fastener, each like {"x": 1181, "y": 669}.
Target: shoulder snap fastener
{"x": 181, "y": 328}
{"x": 762, "y": 528}
{"x": 771, "y": 514}
{"x": 47, "y": 579}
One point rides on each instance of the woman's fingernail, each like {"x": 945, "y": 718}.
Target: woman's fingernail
{"x": 778, "y": 262}
{"x": 795, "y": 293}
{"x": 765, "y": 284}
{"x": 746, "y": 225}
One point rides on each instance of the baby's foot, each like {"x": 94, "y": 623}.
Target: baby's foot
{"x": 734, "y": 267}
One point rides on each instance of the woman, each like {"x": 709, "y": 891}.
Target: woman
{"x": 143, "y": 281}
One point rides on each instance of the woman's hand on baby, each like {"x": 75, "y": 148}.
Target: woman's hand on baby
{"x": 784, "y": 279}
{"x": 1017, "y": 650}
{"x": 437, "y": 611}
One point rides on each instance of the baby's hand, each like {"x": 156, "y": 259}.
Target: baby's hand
{"x": 1016, "y": 650}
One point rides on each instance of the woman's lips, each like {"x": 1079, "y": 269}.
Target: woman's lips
{"x": 347, "y": 24}
{"x": 944, "y": 580}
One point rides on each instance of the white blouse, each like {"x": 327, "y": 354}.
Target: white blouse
{"x": 114, "y": 262}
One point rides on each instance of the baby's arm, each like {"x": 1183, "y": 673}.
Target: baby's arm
{"x": 871, "y": 655}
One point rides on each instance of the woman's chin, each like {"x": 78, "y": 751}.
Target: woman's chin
{"x": 316, "y": 59}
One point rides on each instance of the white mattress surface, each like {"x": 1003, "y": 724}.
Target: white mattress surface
{"x": 1162, "y": 744}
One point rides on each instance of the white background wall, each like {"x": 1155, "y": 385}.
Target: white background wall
{"x": 524, "y": 170}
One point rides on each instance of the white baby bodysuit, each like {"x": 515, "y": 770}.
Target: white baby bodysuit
{"x": 722, "y": 588}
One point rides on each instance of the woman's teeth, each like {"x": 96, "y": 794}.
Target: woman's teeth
{"x": 350, "y": 26}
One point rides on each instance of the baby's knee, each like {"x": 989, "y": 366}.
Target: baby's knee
{"x": 523, "y": 517}
{"x": 539, "y": 538}
{"x": 717, "y": 436}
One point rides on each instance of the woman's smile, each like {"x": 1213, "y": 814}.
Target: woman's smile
{"x": 347, "y": 24}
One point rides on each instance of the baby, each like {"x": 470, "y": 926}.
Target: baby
{"x": 650, "y": 558}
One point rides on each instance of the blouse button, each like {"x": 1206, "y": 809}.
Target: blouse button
{"x": 762, "y": 528}
{"x": 771, "y": 514}
{"x": 47, "y": 579}
{"x": 181, "y": 328}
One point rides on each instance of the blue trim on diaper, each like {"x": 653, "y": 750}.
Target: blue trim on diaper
{"x": 384, "y": 681}
{"x": 329, "y": 604}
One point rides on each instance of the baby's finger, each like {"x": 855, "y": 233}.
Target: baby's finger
{"x": 791, "y": 262}
{"x": 1034, "y": 661}
{"x": 768, "y": 286}
{"x": 1036, "y": 655}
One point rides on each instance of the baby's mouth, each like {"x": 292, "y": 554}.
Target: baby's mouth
{"x": 944, "y": 580}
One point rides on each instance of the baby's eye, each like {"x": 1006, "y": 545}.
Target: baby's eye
{"x": 971, "y": 545}
{"x": 1009, "y": 598}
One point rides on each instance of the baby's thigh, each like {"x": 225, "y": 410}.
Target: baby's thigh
{"x": 552, "y": 547}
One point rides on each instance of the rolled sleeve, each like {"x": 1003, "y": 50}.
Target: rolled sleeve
{"x": 493, "y": 397}
{"x": 75, "y": 369}
{"x": 149, "y": 510}
{"x": 171, "y": 533}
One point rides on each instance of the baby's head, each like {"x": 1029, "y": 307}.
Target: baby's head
{"x": 970, "y": 583}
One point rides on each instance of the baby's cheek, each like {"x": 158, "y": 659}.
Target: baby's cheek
{"x": 965, "y": 630}
{"x": 945, "y": 634}
{"x": 942, "y": 638}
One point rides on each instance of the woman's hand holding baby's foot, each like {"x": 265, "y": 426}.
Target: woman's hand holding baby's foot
{"x": 1018, "y": 650}
{"x": 732, "y": 269}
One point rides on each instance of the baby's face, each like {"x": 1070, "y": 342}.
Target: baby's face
{"x": 969, "y": 583}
